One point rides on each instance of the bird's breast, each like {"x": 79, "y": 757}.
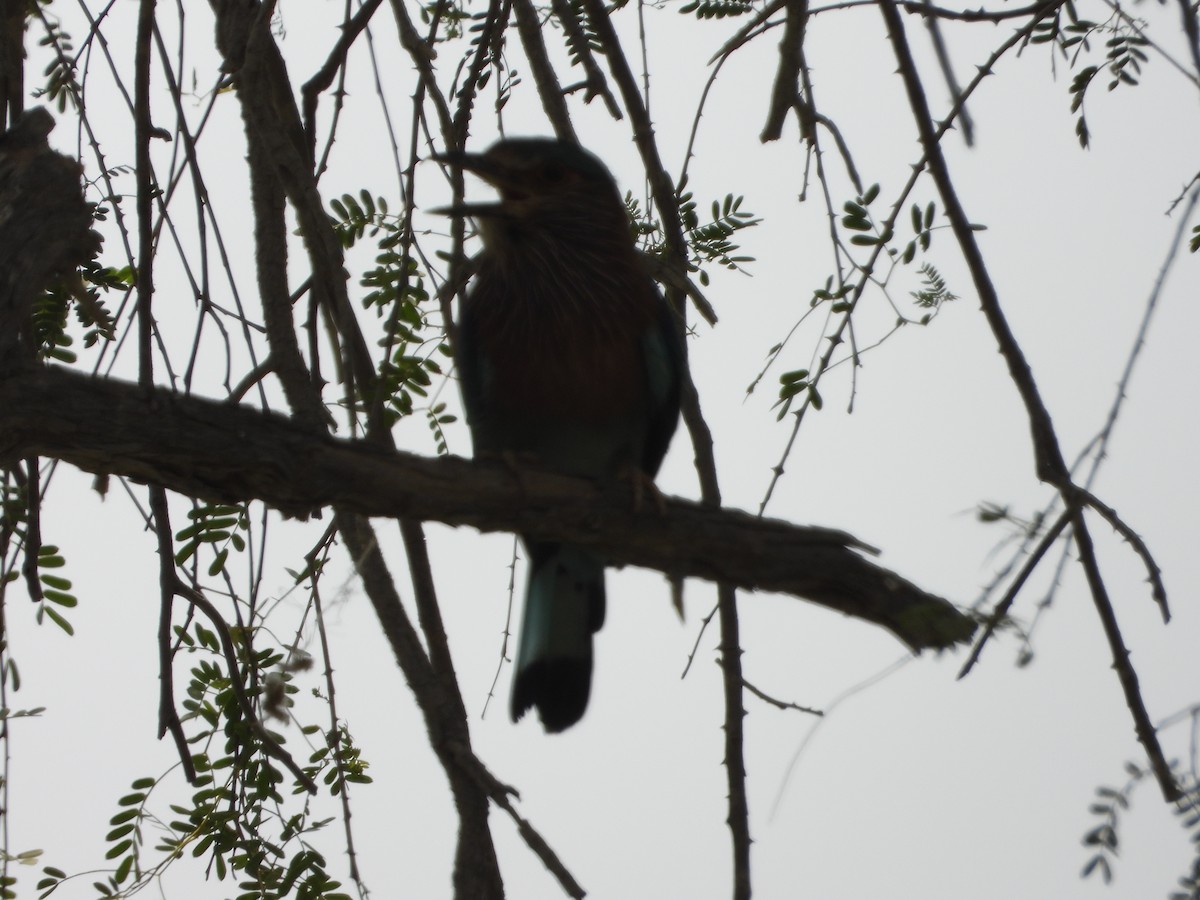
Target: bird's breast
{"x": 584, "y": 374}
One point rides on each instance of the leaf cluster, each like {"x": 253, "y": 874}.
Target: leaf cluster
{"x": 865, "y": 231}
{"x": 217, "y": 525}
{"x": 236, "y": 817}
{"x": 856, "y": 217}
{"x": 1103, "y": 838}
{"x": 396, "y": 289}
{"x": 934, "y": 293}
{"x": 1124, "y": 53}
{"x": 55, "y": 590}
{"x": 709, "y": 241}
{"x": 450, "y": 15}
{"x": 582, "y": 42}
{"x": 717, "y": 9}
{"x": 793, "y": 384}
{"x": 78, "y": 291}
{"x": 61, "y": 83}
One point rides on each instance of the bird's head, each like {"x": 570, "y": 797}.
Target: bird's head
{"x": 544, "y": 184}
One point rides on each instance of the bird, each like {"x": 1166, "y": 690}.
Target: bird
{"x": 567, "y": 353}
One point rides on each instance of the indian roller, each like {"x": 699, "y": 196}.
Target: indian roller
{"x": 567, "y": 354}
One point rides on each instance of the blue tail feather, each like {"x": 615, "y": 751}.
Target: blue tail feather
{"x": 564, "y": 607}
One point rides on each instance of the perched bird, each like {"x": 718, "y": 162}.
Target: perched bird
{"x": 567, "y": 353}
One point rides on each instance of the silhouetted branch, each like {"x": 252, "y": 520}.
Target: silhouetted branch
{"x": 1001, "y": 609}
{"x": 1051, "y": 467}
{"x": 663, "y": 191}
{"x": 594, "y": 84}
{"x": 934, "y": 27}
{"x": 787, "y": 75}
{"x": 269, "y": 745}
{"x": 554, "y": 103}
{"x": 227, "y": 453}
{"x": 323, "y": 77}
{"x": 476, "y": 870}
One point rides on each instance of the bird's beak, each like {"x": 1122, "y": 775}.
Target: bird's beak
{"x": 478, "y": 164}
{"x": 469, "y": 209}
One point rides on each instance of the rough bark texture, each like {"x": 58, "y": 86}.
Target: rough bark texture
{"x": 223, "y": 452}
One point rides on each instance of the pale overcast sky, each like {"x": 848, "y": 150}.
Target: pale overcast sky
{"x": 919, "y": 786}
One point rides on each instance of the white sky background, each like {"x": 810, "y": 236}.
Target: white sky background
{"x": 921, "y": 786}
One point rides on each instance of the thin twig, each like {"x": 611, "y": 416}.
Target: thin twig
{"x": 779, "y": 704}
{"x": 663, "y": 191}
{"x": 857, "y": 291}
{"x": 499, "y": 794}
{"x": 323, "y": 77}
{"x": 1153, "y": 572}
{"x": 1050, "y": 464}
{"x": 998, "y": 614}
{"x": 168, "y": 715}
{"x": 333, "y": 739}
{"x": 145, "y": 175}
{"x": 269, "y": 745}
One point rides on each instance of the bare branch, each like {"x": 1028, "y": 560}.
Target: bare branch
{"x": 787, "y": 76}
{"x": 1006, "y": 602}
{"x": 323, "y": 77}
{"x": 1051, "y": 467}
{"x": 229, "y": 453}
{"x": 549, "y": 90}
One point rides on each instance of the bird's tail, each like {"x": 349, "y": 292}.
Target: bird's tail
{"x": 564, "y": 606}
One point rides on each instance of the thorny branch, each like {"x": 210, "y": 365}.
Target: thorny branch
{"x": 662, "y": 191}
{"x": 1051, "y": 467}
{"x": 367, "y": 478}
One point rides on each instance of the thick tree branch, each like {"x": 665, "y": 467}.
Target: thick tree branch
{"x": 476, "y": 870}
{"x": 219, "y": 451}
{"x": 787, "y": 75}
{"x": 554, "y": 103}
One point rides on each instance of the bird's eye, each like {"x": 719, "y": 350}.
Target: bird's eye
{"x": 553, "y": 173}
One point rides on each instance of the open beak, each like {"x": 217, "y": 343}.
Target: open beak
{"x": 478, "y": 164}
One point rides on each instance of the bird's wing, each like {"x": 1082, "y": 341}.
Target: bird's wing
{"x": 663, "y": 353}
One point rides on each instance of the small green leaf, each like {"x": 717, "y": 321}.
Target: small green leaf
{"x": 60, "y": 598}
{"x": 120, "y": 832}
{"x": 123, "y": 869}
{"x": 57, "y": 619}
{"x": 124, "y": 816}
